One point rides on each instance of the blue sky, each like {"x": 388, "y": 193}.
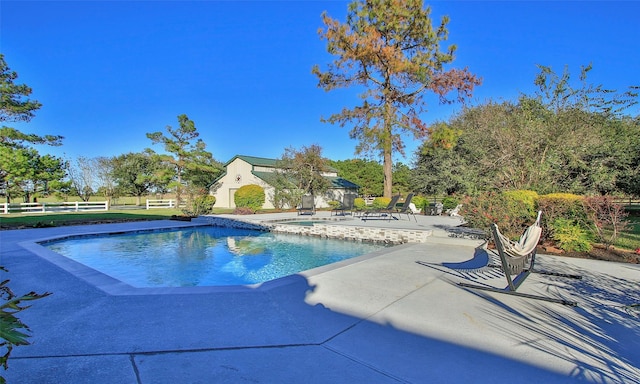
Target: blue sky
{"x": 109, "y": 72}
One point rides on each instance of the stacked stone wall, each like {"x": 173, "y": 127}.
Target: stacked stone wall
{"x": 343, "y": 232}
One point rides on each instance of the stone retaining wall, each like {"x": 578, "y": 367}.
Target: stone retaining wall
{"x": 343, "y": 232}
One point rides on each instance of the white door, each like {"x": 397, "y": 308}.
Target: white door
{"x": 232, "y": 202}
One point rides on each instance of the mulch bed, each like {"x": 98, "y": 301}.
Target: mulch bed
{"x": 598, "y": 252}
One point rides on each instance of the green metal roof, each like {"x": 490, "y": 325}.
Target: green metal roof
{"x": 264, "y": 176}
{"x": 264, "y": 162}
{"x": 259, "y": 161}
{"x": 336, "y": 182}
{"x": 339, "y": 182}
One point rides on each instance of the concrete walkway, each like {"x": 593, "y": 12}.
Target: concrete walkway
{"x": 393, "y": 317}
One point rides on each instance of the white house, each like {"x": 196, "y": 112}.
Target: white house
{"x": 245, "y": 170}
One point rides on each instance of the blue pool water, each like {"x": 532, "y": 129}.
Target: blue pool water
{"x": 205, "y": 256}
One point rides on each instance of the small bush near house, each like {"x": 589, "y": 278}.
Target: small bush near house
{"x": 250, "y": 196}
{"x": 450, "y": 202}
{"x": 200, "y": 205}
{"x": 359, "y": 203}
{"x": 420, "y": 202}
{"x": 380, "y": 202}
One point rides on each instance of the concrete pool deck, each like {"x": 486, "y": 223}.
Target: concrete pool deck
{"x": 398, "y": 317}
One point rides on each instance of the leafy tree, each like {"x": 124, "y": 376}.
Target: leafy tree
{"x": 135, "y": 173}
{"x": 202, "y": 170}
{"x": 558, "y": 93}
{"x": 14, "y": 103}
{"x": 27, "y": 172}
{"x": 106, "y": 180}
{"x": 16, "y": 169}
{"x": 402, "y": 176}
{"x": 185, "y": 155}
{"x": 164, "y": 175}
{"x": 48, "y": 173}
{"x": 629, "y": 165}
{"x": 392, "y": 50}
{"x": 305, "y": 168}
{"x": 17, "y": 159}
{"x": 441, "y": 162}
{"x": 298, "y": 172}
{"x": 505, "y": 144}
{"x": 562, "y": 138}
{"x": 614, "y": 161}
{"x": 366, "y": 173}
{"x": 83, "y": 177}
{"x": 439, "y": 168}
{"x": 583, "y": 118}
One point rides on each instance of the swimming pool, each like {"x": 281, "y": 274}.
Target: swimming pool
{"x": 205, "y": 256}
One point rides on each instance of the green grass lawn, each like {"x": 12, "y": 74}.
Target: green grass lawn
{"x": 630, "y": 239}
{"x": 36, "y": 220}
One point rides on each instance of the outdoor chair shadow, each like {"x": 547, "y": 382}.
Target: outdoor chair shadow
{"x": 589, "y": 331}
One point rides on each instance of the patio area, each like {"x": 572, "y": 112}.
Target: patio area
{"x": 396, "y": 316}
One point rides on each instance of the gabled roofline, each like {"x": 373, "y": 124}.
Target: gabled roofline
{"x": 254, "y": 160}
{"x": 273, "y": 163}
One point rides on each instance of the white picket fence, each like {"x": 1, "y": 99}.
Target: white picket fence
{"x": 161, "y": 203}
{"x": 73, "y": 206}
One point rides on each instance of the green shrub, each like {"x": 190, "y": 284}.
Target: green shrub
{"x": 511, "y": 216}
{"x": 13, "y": 332}
{"x": 380, "y": 202}
{"x": 570, "y": 236}
{"x": 561, "y": 206}
{"x": 420, "y": 201}
{"x": 359, "y": 203}
{"x": 333, "y": 204}
{"x": 450, "y": 202}
{"x": 201, "y": 205}
{"x": 529, "y": 198}
{"x": 249, "y": 196}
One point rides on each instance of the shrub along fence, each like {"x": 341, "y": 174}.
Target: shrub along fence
{"x": 572, "y": 222}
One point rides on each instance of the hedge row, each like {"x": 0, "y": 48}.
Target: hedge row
{"x": 573, "y": 222}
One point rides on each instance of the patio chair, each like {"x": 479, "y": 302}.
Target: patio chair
{"x": 518, "y": 259}
{"x": 345, "y": 205}
{"x": 383, "y": 212}
{"x": 308, "y": 205}
{"x": 455, "y": 211}
{"x": 406, "y": 209}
